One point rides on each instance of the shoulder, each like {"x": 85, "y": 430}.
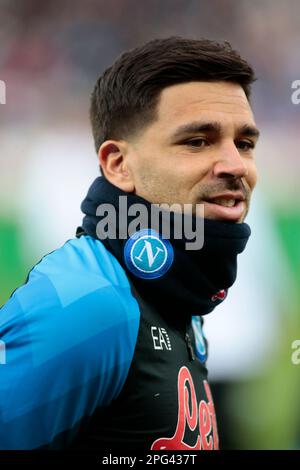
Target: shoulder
{"x": 75, "y": 294}
{"x": 82, "y": 271}
{"x": 68, "y": 337}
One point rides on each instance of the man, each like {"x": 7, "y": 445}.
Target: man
{"x": 103, "y": 345}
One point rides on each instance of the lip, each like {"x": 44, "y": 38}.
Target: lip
{"x": 216, "y": 211}
{"x": 229, "y": 195}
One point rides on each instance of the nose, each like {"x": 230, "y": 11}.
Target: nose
{"x": 230, "y": 163}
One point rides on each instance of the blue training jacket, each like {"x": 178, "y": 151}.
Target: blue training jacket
{"x": 67, "y": 339}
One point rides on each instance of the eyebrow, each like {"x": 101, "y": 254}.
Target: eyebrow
{"x": 213, "y": 128}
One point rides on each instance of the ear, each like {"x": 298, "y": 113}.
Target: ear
{"x": 112, "y": 159}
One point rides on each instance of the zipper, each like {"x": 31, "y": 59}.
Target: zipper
{"x": 190, "y": 347}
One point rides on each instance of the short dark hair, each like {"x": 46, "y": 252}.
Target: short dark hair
{"x": 125, "y": 96}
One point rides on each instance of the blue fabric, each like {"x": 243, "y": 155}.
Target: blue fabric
{"x": 67, "y": 341}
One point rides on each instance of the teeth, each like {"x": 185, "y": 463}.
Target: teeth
{"x": 224, "y": 202}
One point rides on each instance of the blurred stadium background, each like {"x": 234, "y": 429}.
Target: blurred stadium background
{"x": 50, "y": 56}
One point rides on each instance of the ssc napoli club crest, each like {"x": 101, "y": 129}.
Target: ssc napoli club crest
{"x": 148, "y": 255}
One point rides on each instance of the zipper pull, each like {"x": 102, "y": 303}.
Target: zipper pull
{"x": 190, "y": 347}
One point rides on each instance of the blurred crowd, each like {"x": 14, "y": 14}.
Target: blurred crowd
{"x": 53, "y": 51}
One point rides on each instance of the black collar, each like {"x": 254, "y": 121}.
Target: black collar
{"x": 196, "y": 280}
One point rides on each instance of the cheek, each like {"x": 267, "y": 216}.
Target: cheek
{"x": 252, "y": 175}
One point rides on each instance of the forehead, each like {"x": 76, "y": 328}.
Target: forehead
{"x": 221, "y": 101}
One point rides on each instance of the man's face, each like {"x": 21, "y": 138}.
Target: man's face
{"x": 198, "y": 151}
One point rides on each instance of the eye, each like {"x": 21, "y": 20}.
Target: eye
{"x": 245, "y": 145}
{"x": 200, "y": 142}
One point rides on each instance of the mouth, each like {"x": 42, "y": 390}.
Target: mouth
{"x": 227, "y": 207}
